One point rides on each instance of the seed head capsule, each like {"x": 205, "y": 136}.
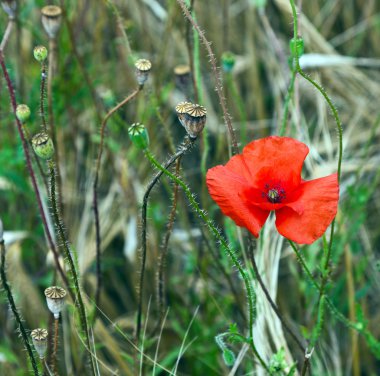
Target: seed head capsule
{"x": 51, "y": 17}
{"x": 55, "y": 299}
{"x": 143, "y": 67}
{"x": 40, "y": 341}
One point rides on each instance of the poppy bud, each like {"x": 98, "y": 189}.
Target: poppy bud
{"x": 40, "y": 341}
{"x": 55, "y": 299}
{"x": 296, "y": 47}
{"x": 51, "y": 19}
{"x": 9, "y": 7}
{"x": 40, "y": 53}
{"x": 228, "y": 61}
{"x": 194, "y": 120}
{"x": 22, "y": 112}
{"x": 43, "y": 145}
{"x": 143, "y": 68}
{"x": 139, "y": 135}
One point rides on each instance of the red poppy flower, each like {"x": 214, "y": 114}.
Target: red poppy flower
{"x": 266, "y": 177}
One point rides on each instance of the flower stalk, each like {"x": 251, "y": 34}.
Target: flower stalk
{"x": 215, "y": 232}
{"x": 185, "y": 146}
{"x": 12, "y": 304}
{"x": 66, "y": 248}
{"x": 95, "y": 192}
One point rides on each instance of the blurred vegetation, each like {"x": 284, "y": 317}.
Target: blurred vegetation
{"x": 96, "y": 50}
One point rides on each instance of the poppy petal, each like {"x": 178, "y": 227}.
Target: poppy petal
{"x": 275, "y": 159}
{"x": 225, "y": 187}
{"x": 307, "y": 218}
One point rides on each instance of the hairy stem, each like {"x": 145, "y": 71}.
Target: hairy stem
{"x": 16, "y": 314}
{"x": 95, "y": 193}
{"x": 164, "y": 248}
{"x": 217, "y": 76}
{"x": 52, "y": 66}
{"x": 182, "y": 149}
{"x": 42, "y": 96}
{"x": 33, "y": 176}
{"x": 80, "y": 61}
{"x": 215, "y": 232}
{"x": 340, "y": 147}
{"x": 55, "y": 346}
{"x": 70, "y": 261}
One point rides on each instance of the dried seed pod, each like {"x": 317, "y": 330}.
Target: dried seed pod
{"x": 182, "y": 76}
{"x": 194, "y": 120}
{"x": 143, "y": 67}
{"x": 139, "y": 135}
{"x": 40, "y": 53}
{"x": 9, "y": 7}
{"x": 22, "y": 112}
{"x": 181, "y": 109}
{"x": 40, "y": 341}
{"x": 43, "y": 145}
{"x": 55, "y": 299}
{"x": 51, "y": 17}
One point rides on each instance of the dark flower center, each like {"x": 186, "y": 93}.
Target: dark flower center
{"x": 274, "y": 194}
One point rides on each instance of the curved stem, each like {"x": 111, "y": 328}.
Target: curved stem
{"x": 164, "y": 248}
{"x": 340, "y": 147}
{"x": 182, "y": 149}
{"x": 244, "y": 275}
{"x": 95, "y": 194}
{"x": 16, "y": 314}
{"x": 74, "y": 275}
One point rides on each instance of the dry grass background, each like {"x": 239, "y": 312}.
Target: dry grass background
{"x": 108, "y": 35}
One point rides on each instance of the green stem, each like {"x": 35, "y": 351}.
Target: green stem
{"x": 182, "y": 149}
{"x": 42, "y": 95}
{"x": 287, "y": 101}
{"x": 340, "y": 137}
{"x": 203, "y": 216}
{"x": 240, "y": 106}
{"x": 74, "y": 275}
{"x": 16, "y": 314}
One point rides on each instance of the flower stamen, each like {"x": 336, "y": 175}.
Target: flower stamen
{"x": 275, "y": 194}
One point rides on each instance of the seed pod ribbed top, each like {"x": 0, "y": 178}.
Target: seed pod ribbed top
{"x": 51, "y": 19}
{"x": 181, "y": 70}
{"x": 192, "y": 117}
{"x": 39, "y": 334}
{"x": 196, "y": 110}
{"x": 183, "y": 107}
{"x": 51, "y": 11}
{"x": 55, "y": 299}
{"x": 55, "y": 292}
{"x": 143, "y": 65}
